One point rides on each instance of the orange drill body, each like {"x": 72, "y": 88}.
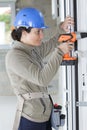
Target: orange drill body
{"x": 70, "y": 37}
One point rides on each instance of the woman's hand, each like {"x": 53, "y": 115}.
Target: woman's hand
{"x": 66, "y": 47}
{"x": 69, "y": 21}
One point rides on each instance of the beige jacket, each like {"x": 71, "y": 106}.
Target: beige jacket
{"x": 28, "y": 73}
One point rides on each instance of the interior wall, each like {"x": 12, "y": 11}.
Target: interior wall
{"x": 5, "y": 87}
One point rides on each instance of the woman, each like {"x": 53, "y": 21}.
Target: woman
{"x": 28, "y": 74}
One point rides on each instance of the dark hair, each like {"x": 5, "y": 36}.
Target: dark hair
{"x": 16, "y": 33}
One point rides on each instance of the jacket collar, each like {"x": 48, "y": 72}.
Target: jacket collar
{"x": 20, "y": 45}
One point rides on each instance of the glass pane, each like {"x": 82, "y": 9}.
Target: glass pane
{"x": 5, "y": 25}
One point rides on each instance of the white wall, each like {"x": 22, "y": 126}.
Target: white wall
{"x": 7, "y": 112}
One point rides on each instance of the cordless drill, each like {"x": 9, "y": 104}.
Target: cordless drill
{"x": 71, "y": 37}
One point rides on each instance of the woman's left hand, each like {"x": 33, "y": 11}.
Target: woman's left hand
{"x": 69, "y": 21}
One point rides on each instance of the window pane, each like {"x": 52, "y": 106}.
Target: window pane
{"x": 5, "y": 25}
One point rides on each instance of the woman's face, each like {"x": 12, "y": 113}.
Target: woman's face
{"x": 33, "y": 38}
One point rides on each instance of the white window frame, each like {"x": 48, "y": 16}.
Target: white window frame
{"x": 12, "y": 5}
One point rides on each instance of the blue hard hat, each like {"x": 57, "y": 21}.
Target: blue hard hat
{"x": 29, "y": 17}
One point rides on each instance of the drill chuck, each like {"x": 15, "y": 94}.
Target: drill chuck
{"x": 83, "y": 35}
{"x": 80, "y": 35}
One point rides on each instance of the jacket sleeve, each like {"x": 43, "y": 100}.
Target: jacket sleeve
{"x": 18, "y": 65}
{"x": 49, "y": 45}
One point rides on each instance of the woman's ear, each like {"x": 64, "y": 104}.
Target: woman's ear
{"x": 23, "y": 36}
{"x": 24, "y": 33}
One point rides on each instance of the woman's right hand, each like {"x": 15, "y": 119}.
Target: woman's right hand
{"x": 66, "y": 47}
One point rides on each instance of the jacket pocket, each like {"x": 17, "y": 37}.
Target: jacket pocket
{"x": 48, "y": 105}
{"x": 34, "y": 108}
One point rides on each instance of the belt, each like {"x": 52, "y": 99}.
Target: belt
{"x": 29, "y": 96}
{"x": 21, "y": 99}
